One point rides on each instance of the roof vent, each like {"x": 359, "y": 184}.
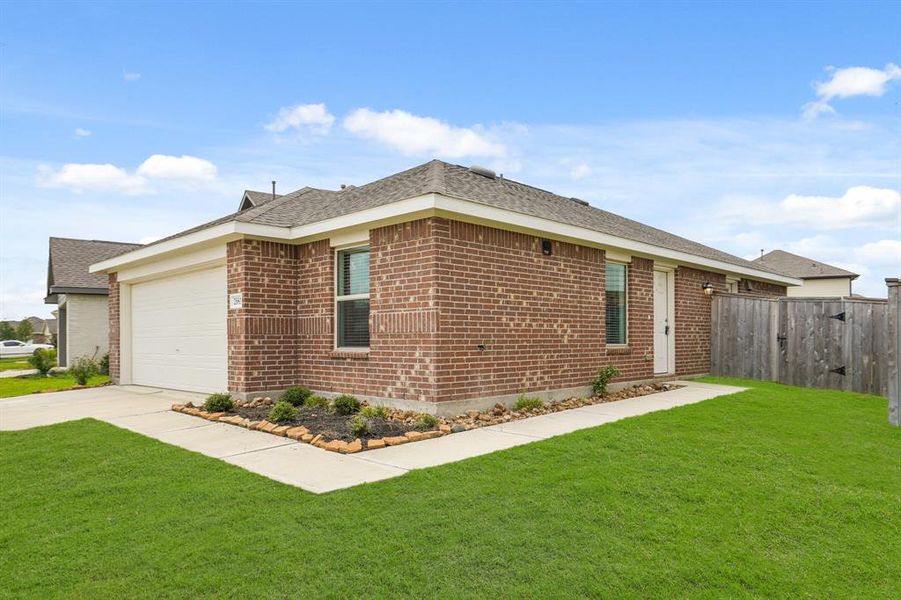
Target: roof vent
{"x": 579, "y": 201}
{"x": 483, "y": 171}
{"x": 347, "y": 188}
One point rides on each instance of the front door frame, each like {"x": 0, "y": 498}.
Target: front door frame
{"x": 670, "y": 315}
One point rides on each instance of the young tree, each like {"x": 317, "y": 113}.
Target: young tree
{"x": 24, "y": 330}
{"x": 7, "y": 331}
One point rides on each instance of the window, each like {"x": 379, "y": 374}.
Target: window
{"x": 352, "y": 298}
{"x": 615, "y": 303}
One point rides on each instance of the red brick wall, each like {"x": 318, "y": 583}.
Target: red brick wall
{"x": 761, "y": 289}
{"x": 692, "y": 312}
{"x": 636, "y": 360}
{"x": 113, "y": 307}
{"x": 262, "y": 335}
{"x": 539, "y": 317}
{"x": 439, "y": 289}
{"x": 403, "y": 317}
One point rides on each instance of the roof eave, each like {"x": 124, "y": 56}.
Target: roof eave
{"x": 422, "y": 205}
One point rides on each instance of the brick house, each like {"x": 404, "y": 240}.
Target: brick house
{"x": 439, "y": 288}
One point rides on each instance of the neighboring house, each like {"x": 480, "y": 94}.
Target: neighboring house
{"x": 83, "y": 327}
{"x": 40, "y": 329}
{"x": 438, "y": 288}
{"x": 818, "y": 279}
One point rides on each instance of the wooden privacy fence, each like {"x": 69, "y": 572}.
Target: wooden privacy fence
{"x": 839, "y": 343}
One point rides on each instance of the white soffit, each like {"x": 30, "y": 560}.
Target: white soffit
{"x": 418, "y": 207}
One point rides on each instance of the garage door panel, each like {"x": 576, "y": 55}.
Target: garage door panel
{"x": 179, "y": 337}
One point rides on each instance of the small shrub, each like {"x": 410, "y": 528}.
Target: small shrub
{"x": 218, "y": 403}
{"x": 358, "y": 425}
{"x": 376, "y": 412}
{"x": 282, "y": 412}
{"x": 296, "y": 396}
{"x": 599, "y": 383}
{"x": 43, "y": 359}
{"x": 528, "y": 403}
{"x": 426, "y": 421}
{"x": 316, "y": 402}
{"x": 104, "y": 364}
{"x": 82, "y": 369}
{"x": 346, "y": 405}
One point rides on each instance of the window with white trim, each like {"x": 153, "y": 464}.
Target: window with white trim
{"x": 352, "y": 298}
{"x": 615, "y": 303}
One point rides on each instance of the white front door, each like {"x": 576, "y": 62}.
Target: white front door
{"x": 662, "y": 328}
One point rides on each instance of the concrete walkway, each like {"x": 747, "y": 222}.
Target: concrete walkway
{"x": 146, "y": 411}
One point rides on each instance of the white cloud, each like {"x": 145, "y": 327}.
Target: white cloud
{"x": 314, "y": 118}
{"x": 82, "y": 177}
{"x": 81, "y": 133}
{"x": 580, "y": 171}
{"x": 847, "y": 82}
{"x": 159, "y": 167}
{"x": 182, "y": 168}
{"x": 412, "y": 134}
{"x": 130, "y": 75}
{"x": 860, "y": 206}
{"x": 883, "y": 252}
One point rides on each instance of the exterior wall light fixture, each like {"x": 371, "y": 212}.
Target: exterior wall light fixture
{"x": 708, "y": 288}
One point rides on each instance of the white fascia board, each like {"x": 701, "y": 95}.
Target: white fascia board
{"x": 538, "y": 224}
{"x": 423, "y": 205}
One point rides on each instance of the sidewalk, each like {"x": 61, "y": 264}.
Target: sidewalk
{"x": 146, "y": 411}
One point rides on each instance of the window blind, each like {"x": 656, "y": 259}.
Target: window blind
{"x": 615, "y": 303}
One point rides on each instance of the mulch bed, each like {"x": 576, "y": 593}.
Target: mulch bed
{"x": 324, "y": 428}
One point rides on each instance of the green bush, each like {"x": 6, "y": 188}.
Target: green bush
{"x": 528, "y": 403}
{"x": 599, "y": 383}
{"x": 43, "y": 359}
{"x": 426, "y": 421}
{"x": 358, "y": 425}
{"x": 296, "y": 396}
{"x": 104, "y": 364}
{"x": 346, "y": 405}
{"x": 376, "y": 412}
{"x": 218, "y": 403}
{"x": 282, "y": 412}
{"x": 82, "y": 369}
{"x": 316, "y": 402}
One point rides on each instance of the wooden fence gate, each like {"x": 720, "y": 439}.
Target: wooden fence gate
{"x": 834, "y": 343}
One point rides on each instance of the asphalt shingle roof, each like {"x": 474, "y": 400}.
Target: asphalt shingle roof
{"x": 800, "y": 266}
{"x": 311, "y": 205}
{"x": 70, "y": 259}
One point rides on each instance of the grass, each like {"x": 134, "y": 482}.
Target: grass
{"x": 774, "y": 492}
{"x": 29, "y": 384}
{"x": 17, "y": 363}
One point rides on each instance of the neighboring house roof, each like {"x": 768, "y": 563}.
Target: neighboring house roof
{"x": 801, "y": 267}
{"x": 37, "y": 324}
{"x": 67, "y": 265}
{"x": 310, "y": 205}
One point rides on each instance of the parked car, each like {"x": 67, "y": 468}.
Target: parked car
{"x": 17, "y": 348}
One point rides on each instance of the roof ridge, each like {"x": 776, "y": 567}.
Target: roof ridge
{"x": 68, "y": 239}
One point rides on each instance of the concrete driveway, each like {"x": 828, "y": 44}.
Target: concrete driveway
{"x": 146, "y": 411}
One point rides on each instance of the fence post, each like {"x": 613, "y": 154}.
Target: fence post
{"x": 894, "y": 350}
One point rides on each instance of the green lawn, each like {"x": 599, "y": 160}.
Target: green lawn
{"x": 14, "y": 363}
{"x": 775, "y": 492}
{"x": 29, "y": 384}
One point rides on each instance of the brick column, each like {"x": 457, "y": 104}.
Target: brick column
{"x": 113, "y": 308}
{"x": 262, "y": 334}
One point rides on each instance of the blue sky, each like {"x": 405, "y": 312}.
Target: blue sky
{"x": 742, "y": 126}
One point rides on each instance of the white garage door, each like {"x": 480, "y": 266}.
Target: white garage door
{"x": 178, "y": 329}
